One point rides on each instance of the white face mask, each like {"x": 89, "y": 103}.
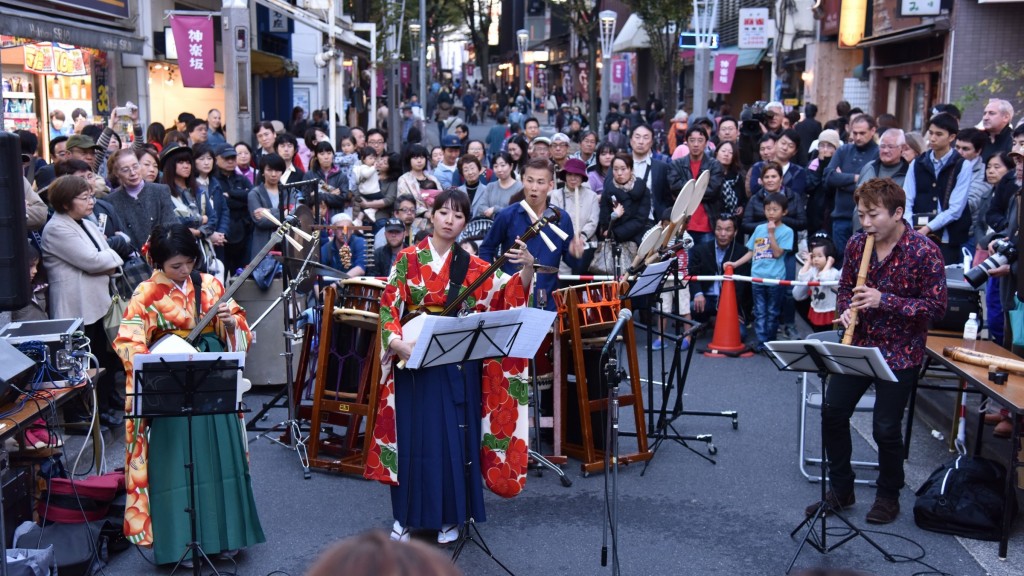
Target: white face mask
{"x": 57, "y": 124}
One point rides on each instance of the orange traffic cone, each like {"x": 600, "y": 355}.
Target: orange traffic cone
{"x": 727, "y": 342}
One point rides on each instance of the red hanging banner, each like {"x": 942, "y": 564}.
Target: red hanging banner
{"x": 725, "y": 72}
{"x": 193, "y": 35}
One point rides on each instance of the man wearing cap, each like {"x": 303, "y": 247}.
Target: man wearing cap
{"x": 560, "y": 150}
{"x": 347, "y": 250}
{"x": 452, "y": 147}
{"x": 236, "y": 188}
{"x": 394, "y": 240}
{"x": 540, "y": 147}
{"x": 583, "y": 206}
{"x": 81, "y": 147}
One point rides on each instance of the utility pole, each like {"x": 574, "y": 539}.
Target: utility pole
{"x": 237, "y": 70}
{"x": 705, "y": 18}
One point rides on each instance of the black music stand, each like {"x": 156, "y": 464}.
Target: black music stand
{"x": 826, "y": 359}
{"x": 447, "y": 340}
{"x": 665, "y": 429}
{"x": 203, "y": 385}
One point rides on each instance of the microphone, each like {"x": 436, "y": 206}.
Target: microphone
{"x": 624, "y": 316}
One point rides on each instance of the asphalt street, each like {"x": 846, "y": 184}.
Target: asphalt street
{"x": 684, "y": 516}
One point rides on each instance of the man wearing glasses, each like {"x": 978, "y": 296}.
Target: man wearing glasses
{"x": 376, "y": 139}
{"x": 406, "y": 214}
{"x": 58, "y": 153}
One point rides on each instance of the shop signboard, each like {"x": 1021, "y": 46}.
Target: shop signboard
{"x": 115, "y": 8}
{"x": 48, "y": 58}
{"x": 193, "y": 35}
{"x": 101, "y": 95}
{"x": 753, "y": 28}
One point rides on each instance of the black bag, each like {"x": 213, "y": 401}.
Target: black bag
{"x": 79, "y": 549}
{"x": 964, "y": 497}
{"x": 136, "y": 271}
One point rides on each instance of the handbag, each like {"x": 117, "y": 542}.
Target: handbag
{"x": 118, "y": 304}
{"x": 135, "y": 271}
{"x": 1017, "y": 321}
{"x": 265, "y": 272}
{"x": 214, "y": 267}
{"x": 604, "y": 258}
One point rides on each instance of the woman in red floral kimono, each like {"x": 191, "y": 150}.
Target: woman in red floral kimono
{"x": 419, "y": 446}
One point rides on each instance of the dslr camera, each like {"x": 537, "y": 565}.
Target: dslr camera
{"x": 1004, "y": 252}
{"x": 752, "y": 115}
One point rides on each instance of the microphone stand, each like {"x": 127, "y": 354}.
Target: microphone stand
{"x": 613, "y": 376}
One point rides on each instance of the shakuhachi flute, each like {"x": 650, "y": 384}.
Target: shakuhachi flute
{"x": 862, "y": 278}
{"x": 983, "y": 359}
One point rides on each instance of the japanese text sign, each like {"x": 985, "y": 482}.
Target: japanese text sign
{"x": 725, "y": 72}
{"x": 753, "y": 28}
{"x": 193, "y": 35}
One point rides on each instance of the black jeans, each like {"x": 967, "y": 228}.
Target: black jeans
{"x": 887, "y": 428}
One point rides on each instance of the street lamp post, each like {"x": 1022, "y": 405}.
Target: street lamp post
{"x": 607, "y": 21}
{"x": 414, "y": 52}
{"x": 523, "y": 40}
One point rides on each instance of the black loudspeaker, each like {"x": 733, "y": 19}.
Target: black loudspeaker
{"x": 14, "y": 282}
{"x": 264, "y": 365}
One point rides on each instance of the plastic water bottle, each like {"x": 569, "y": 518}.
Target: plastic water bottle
{"x": 971, "y": 331}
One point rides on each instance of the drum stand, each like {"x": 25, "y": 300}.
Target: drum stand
{"x": 535, "y": 455}
{"x": 296, "y": 441}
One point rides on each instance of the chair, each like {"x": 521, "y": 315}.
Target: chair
{"x": 813, "y": 401}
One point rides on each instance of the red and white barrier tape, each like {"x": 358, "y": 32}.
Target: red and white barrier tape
{"x": 734, "y": 277}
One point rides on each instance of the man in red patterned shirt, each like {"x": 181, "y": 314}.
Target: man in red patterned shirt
{"x": 905, "y": 290}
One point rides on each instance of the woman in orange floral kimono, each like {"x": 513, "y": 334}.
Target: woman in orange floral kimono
{"x": 155, "y": 516}
{"x": 419, "y": 447}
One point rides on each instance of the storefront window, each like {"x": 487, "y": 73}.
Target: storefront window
{"x": 46, "y": 86}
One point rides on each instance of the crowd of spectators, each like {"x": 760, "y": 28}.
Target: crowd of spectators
{"x": 770, "y": 171}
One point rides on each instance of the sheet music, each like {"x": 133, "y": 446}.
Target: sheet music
{"x": 140, "y": 361}
{"x": 858, "y": 361}
{"x": 517, "y": 333}
{"x": 649, "y": 280}
{"x": 839, "y": 358}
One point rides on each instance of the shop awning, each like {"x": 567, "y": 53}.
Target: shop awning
{"x": 905, "y": 34}
{"x": 747, "y": 56}
{"x": 632, "y": 36}
{"x": 68, "y": 31}
{"x": 267, "y": 65}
